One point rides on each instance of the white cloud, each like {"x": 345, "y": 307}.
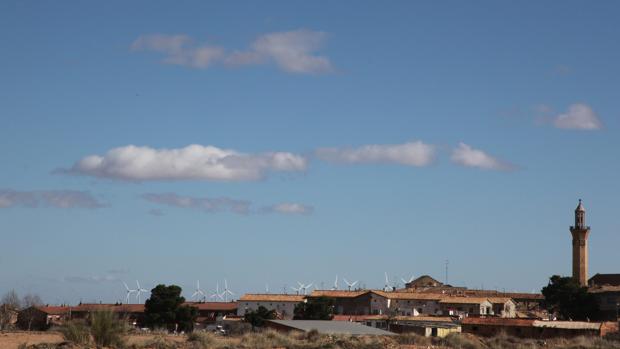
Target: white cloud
{"x": 48, "y": 198}
{"x": 179, "y": 50}
{"x": 223, "y": 204}
{"x": 409, "y": 154}
{"x": 467, "y": 156}
{"x": 194, "y": 162}
{"x": 290, "y": 208}
{"x": 292, "y": 51}
{"x": 579, "y": 117}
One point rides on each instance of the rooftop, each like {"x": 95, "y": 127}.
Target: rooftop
{"x": 267, "y": 297}
{"x": 332, "y": 327}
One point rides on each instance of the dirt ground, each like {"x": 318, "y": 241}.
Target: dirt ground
{"x": 12, "y": 340}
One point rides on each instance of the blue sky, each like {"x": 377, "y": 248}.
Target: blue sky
{"x": 329, "y": 138}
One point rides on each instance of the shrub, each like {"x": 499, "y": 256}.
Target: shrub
{"x": 460, "y": 341}
{"x": 160, "y": 342}
{"x": 107, "y": 330}
{"x": 412, "y": 338}
{"x": 202, "y": 339}
{"x": 76, "y": 331}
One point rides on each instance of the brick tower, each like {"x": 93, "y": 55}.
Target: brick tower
{"x": 580, "y": 234}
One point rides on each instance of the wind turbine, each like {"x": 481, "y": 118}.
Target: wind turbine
{"x": 198, "y": 291}
{"x": 387, "y": 283}
{"x": 335, "y": 284}
{"x": 299, "y": 288}
{"x": 226, "y": 291}
{"x": 350, "y": 284}
{"x": 306, "y": 287}
{"x": 129, "y": 292}
{"x": 139, "y": 291}
{"x": 405, "y": 282}
{"x": 215, "y": 295}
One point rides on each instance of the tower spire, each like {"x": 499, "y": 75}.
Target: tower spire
{"x": 580, "y": 232}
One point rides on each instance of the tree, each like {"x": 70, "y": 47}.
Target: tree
{"x": 566, "y": 297}
{"x": 9, "y": 306}
{"x": 321, "y": 308}
{"x": 31, "y": 300}
{"x": 164, "y": 309}
{"x": 257, "y": 317}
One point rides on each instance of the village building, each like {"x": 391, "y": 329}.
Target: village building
{"x": 39, "y": 318}
{"x": 283, "y": 304}
{"x": 427, "y": 326}
{"x": 213, "y": 312}
{"x": 465, "y": 306}
{"x": 503, "y": 307}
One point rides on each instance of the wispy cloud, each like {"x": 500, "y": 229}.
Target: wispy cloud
{"x": 289, "y": 208}
{"x": 223, "y": 204}
{"x": 49, "y": 198}
{"x": 578, "y": 117}
{"x": 179, "y": 50}
{"x": 94, "y": 279}
{"x": 194, "y": 162}
{"x": 292, "y": 51}
{"x": 410, "y": 154}
{"x": 467, "y": 156}
{"x": 204, "y": 204}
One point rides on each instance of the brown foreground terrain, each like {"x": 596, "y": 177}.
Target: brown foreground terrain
{"x": 269, "y": 340}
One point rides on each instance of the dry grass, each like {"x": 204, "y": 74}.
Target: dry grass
{"x": 313, "y": 340}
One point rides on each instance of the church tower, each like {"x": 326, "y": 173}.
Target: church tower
{"x": 580, "y": 234}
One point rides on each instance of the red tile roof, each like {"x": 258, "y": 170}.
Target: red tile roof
{"x": 214, "y": 306}
{"x": 54, "y": 310}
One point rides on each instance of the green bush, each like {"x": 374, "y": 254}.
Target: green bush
{"x": 107, "y": 330}
{"x": 76, "y": 331}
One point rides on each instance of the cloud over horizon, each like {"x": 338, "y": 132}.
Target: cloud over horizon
{"x": 49, "y": 198}
{"x": 467, "y": 156}
{"x": 223, "y": 204}
{"x": 579, "y": 116}
{"x": 292, "y": 51}
{"x": 193, "y": 162}
{"x": 409, "y": 154}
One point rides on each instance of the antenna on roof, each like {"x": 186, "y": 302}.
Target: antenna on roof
{"x": 447, "y": 263}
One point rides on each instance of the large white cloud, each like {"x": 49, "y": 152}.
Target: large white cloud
{"x": 579, "y": 117}
{"x": 194, "y": 162}
{"x": 292, "y": 51}
{"x": 48, "y": 198}
{"x": 465, "y": 155}
{"x": 410, "y": 154}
